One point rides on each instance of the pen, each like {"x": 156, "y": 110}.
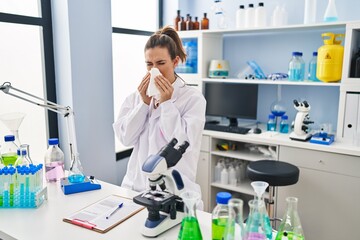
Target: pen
{"x": 114, "y": 211}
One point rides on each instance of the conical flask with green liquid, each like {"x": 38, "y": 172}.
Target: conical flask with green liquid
{"x": 190, "y": 228}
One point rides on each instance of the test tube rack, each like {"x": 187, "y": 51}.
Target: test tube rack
{"x": 22, "y": 186}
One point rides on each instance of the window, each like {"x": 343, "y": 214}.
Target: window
{"x": 26, "y": 60}
{"x": 132, "y": 27}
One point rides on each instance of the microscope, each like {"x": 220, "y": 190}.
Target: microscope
{"x": 165, "y": 207}
{"x": 302, "y": 120}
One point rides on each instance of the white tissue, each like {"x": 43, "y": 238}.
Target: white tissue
{"x": 152, "y": 89}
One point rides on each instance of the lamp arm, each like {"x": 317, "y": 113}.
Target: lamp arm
{"x": 67, "y": 112}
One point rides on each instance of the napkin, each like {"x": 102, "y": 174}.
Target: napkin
{"x": 152, "y": 90}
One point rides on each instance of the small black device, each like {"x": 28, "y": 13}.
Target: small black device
{"x": 257, "y": 130}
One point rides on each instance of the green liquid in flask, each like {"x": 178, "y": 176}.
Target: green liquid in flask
{"x": 289, "y": 236}
{"x": 9, "y": 159}
{"x": 218, "y": 228}
{"x": 190, "y": 229}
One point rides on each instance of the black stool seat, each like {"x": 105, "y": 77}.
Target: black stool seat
{"x": 273, "y": 172}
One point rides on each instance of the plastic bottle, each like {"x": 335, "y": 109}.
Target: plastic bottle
{"x": 284, "y": 124}
{"x": 260, "y": 15}
{"x": 220, "y": 215}
{"x": 218, "y": 169}
{"x": 196, "y": 24}
{"x": 204, "y": 22}
{"x": 312, "y": 68}
{"x": 220, "y": 14}
{"x": 224, "y": 178}
{"x": 250, "y": 16}
{"x": 276, "y": 17}
{"x": 177, "y": 20}
{"x": 296, "y": 67}
{"x": 54, "y": 161}
{"x": 232, "y": 175}
{"x": 271, "y": 124}
{"x": 9, "y": 150}
{"x": 331, "y": 13}
{"x": 240, "y": 17}
{"x": 310, "y": 11}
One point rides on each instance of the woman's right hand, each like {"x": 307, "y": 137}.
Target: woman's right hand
{"x": 143, "y": 87}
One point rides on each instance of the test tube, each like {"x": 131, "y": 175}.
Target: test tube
{"x": 1, "y": 187}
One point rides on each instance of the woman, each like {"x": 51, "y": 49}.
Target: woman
{"x": 148, "y": 123}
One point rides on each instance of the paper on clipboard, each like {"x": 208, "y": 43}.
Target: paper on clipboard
{"x": 94, "y": 216}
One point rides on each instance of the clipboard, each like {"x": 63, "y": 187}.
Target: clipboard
{"x": 93, "y": 217}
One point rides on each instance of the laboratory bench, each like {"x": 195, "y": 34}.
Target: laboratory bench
{"x": 46, "y": 221}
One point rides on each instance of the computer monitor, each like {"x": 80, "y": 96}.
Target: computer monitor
{"x": 231, "y": 100}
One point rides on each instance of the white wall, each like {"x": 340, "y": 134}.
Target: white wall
{"x": 83, "y": 65}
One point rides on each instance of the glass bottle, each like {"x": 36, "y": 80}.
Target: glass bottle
{"x": 271, "y": 124}
{"x": 312, "y": 68}
{"x": 177, "y": 20}
{"x": 284, "y": 124}
{"x": 290, "y": 227}
{"x": 302, "y": 67}
{"x": 235, "y": 228}
{"x": 54, "y": 161}
{"x": 331, "y": 13}
{"x": 22, "y": 159}
{"x": 189, "y": 24}
{"x": 196, "y": 25}
{"x": 204, "y": 22}
{"x": 190, "y": 228}
{"x": 9, "y": 150}
{"x": 220, "y": 215}
{"x": 182, "y": 24}
{"x": 296, "y": 68}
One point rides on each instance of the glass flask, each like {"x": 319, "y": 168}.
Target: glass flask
{"x": 22, "y": 159}
{"x": 190, "y": 228}
{"x": 331, "y": 13}
{"x": 27, "y": 147}
{"x": 235, "y": 228}
{"x": 76, "y": 171}
{"x": 290, "y": 227}
{"x": 8, "y": 151}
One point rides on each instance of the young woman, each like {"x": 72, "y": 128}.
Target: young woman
{"x": 148, "y": 123}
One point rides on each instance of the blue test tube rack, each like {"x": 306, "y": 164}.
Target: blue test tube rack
{"x": 22, "y": 186}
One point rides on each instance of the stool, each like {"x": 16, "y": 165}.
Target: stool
{"x": 275, "y": 173}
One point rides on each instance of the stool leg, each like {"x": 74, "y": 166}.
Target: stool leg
{"x": 270, "y": 208}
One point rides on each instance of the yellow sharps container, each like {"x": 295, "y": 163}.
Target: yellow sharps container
{"x": 330, "y": 58}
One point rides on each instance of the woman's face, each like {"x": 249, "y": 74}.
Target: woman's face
{"x": 159, "y": 57}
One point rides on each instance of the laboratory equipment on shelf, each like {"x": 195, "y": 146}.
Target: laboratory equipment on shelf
{"x": 54, "y": 161}
{"x": 312, "y": 68}
{"x": 296, "y": 67}
{"x": 330, "y": 58}
{"x": 9, "y": 150}
{"x": 260, "y": 15}
{"x": 76, "y": 181}
{"x": 220, "y": 15}
{"x": 284, "y": 124}
{"x": 250, "y": 16}
{"x": 177, "y": 20}
{"x": 204, "y": 22}
{"x": 277, "y": 109}
{"x": 310, "y": 11}
{"x": 234, "y": 229}
{"x": 190, "y": 228}
{"x": 330, "y": 12}
{"x": 163, "y": 200}
{"x": 302, "y": 120}
{"x": 13, "y": 122}
{"x": 240, "y": 17}
{"x": 290, "y": 227}
{"x": 220, "y": 215}
{"x": 271, "y": 123}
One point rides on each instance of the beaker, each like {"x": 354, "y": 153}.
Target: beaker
{"x": 190, "y": 228}
{"x": 13, "y": 122}
{"x": 290, "y": 227}
{"x": 234, "y": 229}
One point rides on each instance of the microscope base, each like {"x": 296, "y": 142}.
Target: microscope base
{"x": 305, "y": 137}
{"x": 153, "y": 229}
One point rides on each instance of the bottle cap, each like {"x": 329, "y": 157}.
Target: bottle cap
{"x": 271, "y": 116}
{"x": 285, "y": 117}
{"x": 243, "y": 7}
{"x": 315, "y": 54}
{"x": 53, "y": 141}
{"x": 300, "y": 54}
{"x": 223, "y": 197}
{"x": 251, "y": 5}
{"x": 9, "y": 138}
{"x": 23, "y": 152}
{"x": 261, "y": 4}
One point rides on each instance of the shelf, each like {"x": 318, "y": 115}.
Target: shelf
{"x": 243, "y": 187}
{"x": 243, "y": 155}
{"x": 280, "y": 82}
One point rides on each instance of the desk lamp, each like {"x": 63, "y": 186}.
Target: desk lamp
{"x": 76, "y": 181}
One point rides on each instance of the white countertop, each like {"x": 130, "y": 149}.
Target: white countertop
{"x": 276, "y": 138}
{"x": 46, "y": 222}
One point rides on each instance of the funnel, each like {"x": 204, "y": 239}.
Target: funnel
{"x": 13, "y": 122}
{"x": 259, "y": 188}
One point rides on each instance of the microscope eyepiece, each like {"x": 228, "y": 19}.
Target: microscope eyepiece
{"x": 173, "y": 142}
{"x": 183, "y": 147}
{"x": 296, "y": 103}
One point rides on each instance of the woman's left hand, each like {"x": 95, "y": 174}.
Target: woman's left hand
{"x": 165, "y": 88}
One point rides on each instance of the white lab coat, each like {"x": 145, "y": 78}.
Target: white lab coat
{"x": 148, "y": 129}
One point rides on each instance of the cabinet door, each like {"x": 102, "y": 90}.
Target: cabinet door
{"x": 202, "y": 178}
{"x": 328, "y": 201}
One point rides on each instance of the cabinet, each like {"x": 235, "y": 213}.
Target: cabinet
{"x": 328, "y": 192}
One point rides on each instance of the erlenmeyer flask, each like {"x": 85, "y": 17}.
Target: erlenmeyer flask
{"x": 254, "y": 229}
{"x": 190, "y": 228}
{"x": 76, "y": 171}
{"x": 290, "y": 227}
{"x": 234, "y": 229}
{"x": 331, "y": 13}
